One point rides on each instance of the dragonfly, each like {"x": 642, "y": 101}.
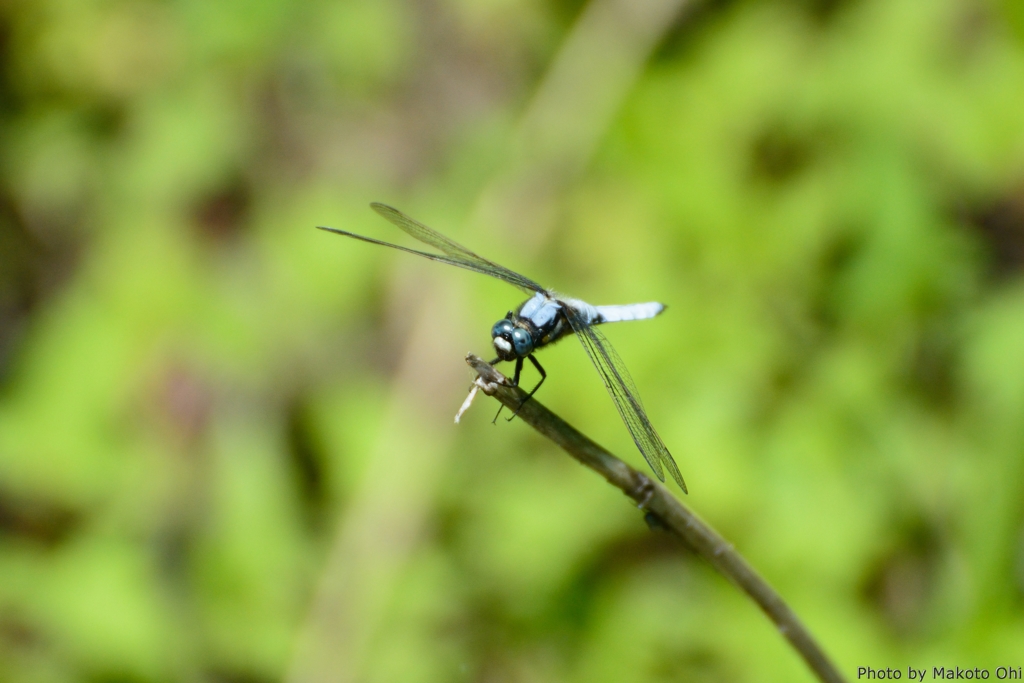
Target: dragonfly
{"x": 543, "y": 319}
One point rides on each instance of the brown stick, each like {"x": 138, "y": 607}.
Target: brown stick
{"x": 675, "y": 516}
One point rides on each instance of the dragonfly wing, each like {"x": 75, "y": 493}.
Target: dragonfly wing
{"x": 625, "y": 396}
{"x": 455, "y": 253}
{"x": 424, "y": 254}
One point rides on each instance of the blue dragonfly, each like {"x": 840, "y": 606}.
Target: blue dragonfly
{"x": 543, "y": 319}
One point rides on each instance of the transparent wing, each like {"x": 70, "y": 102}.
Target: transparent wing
{"x": 454, "y": 253}
{"x": 624, "y": 394}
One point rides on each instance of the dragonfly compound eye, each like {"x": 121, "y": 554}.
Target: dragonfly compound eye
{"x": 502, "y": 328}
{"x": 522, "y": 341}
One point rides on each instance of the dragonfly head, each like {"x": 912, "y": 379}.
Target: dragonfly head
{"x": 511, "y": 342}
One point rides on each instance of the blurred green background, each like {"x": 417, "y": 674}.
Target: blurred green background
{"x": 226, "y": 439}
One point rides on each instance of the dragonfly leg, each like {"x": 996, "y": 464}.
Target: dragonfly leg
{"x": 543, "y": 376}
{"x": 515, "y": 383}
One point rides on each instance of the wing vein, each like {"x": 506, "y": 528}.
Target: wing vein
{"x": 457, "y": 254}
{"x": 625, "y": 396}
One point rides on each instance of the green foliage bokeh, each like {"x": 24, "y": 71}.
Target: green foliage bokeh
{"x": 210, "y": 411}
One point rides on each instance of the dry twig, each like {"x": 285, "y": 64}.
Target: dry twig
{"x": 669, "y": 512}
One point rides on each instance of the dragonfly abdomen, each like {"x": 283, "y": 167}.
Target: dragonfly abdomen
{"x": 624, "y": 312}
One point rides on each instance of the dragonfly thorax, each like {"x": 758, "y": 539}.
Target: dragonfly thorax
{"x": 511, "y": 341}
